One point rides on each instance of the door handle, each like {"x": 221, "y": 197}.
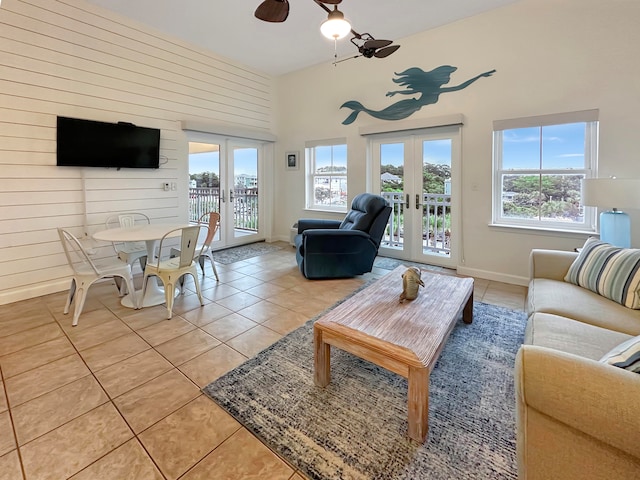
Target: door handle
{"x": 406, "y": 201}
{"x": 231, "y": 196}
{"x": 418, "y": 201}
{"x": 222, "y": 196}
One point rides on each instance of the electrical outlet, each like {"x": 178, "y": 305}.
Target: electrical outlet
{"x": 165, "y": 186}
{"x": 174, "y": 186}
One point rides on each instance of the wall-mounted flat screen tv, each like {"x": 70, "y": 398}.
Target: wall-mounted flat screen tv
{"x": 88, "y": 143}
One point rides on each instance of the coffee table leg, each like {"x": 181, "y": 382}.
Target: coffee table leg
{"x": 467, "y": 313}
{"x": 322, "y": 359}
{"x": 418, "y": 403}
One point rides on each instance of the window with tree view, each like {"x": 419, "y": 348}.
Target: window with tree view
{"x": 538, "y": 174}
{"x": 327, "y": 176}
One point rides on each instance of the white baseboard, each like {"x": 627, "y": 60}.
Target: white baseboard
{"x": 494, "y": 276}
{"x": 281, "y": 238}
{"x": 17, "y": 295}
{"x": 33, "y": 291}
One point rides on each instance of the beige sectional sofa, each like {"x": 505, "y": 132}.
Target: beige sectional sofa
{"x": 577, "y": 418}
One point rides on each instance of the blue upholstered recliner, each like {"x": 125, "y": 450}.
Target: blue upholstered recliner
{"x": 334, "y": 249}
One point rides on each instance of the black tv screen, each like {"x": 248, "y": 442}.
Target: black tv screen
{"x": 88, "y": 143}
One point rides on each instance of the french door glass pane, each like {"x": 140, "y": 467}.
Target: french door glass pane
{"x": 392, "y": 188}
{"x": 245, "y": 191}
{"x": 204, "y": 181}
{"x": 436, "y": 196}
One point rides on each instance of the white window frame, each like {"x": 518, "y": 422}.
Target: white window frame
{"x": 590, "y": 118}
{"x": 311, "y": 175}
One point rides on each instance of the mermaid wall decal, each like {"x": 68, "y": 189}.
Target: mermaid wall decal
{"x": 427, "y": 85}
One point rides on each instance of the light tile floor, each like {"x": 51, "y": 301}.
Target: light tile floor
{"x": 118, "y": 396}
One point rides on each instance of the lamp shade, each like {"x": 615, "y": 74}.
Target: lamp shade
{"x": 335, "y": 26}
{"x": 615, "y": 193}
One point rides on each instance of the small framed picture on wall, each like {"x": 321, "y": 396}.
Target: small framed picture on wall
{"x": 291, "y": 159}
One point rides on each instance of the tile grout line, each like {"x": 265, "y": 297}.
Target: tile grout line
{"x": 91, "y": 372}
{"x": 111, "y": 400}
{"x": 13, "y": 425}
{"x": 174, "y": 367}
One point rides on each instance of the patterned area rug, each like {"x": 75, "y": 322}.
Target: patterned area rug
{"x": 236, "y": 254}
{"x": 355, "y": 429}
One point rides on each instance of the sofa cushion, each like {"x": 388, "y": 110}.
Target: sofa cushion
{"x": 571, "y": 336}
{"x": 571, "y": 301}
{"x": 626, "y": 355}
{"x": 609, "y": 271}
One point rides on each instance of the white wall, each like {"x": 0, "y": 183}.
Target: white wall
{"x": 71, "y": 58}
{"x": 550, "y": 57}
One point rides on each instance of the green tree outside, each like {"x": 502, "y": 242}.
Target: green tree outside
{"x": 205, "y": 179}
{"x": 542, "y": 196}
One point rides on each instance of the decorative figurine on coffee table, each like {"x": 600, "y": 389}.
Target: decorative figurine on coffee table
{"x": 411, "y": 283}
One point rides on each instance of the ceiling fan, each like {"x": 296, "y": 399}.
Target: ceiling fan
{"x": 334, "y": 27}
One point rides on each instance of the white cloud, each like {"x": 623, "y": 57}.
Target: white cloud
{"x": 510, "y": 138}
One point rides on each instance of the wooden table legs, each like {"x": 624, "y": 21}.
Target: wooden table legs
{"x": 322, "y": 359}
{"x": 467, "y": 313}
{"x": 404, "y": 339}
{"x": 418, "y": 396}
{"x": 418, "y": 392}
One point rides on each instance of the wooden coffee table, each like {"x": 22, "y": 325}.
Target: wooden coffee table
{"x": 405, "y": 338}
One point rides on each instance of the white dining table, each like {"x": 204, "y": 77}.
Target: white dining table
{"x": 151, "y": 235}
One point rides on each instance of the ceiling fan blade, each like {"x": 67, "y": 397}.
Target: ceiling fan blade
{"x": 385, "y": 52}
{"x": 377, "y": 43}
{"x": 273, "y": 11}
{"x": 331, "y": 2}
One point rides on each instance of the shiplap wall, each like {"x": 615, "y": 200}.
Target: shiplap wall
{"x": 73, "y": 59}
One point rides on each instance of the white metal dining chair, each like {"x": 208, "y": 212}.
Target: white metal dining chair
{"x": 129, "y": 252}
{"x": 212, "y": 219}
{"x": 172, "y": 270}
{"x": 86, "y": 272}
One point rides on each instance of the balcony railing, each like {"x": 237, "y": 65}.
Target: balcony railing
{"x": 436, "y": 222}
{"x": 436, "y": 215}
{"x": 245, "y": 205}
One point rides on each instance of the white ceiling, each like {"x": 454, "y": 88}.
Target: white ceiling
{"x": 230, "y": 29}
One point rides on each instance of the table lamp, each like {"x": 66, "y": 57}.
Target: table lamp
{"x": 614, "y": 194}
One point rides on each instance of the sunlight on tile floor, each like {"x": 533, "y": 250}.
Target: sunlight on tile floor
{"x": 119, "y": 397}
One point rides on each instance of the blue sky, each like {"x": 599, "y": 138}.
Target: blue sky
{"x": 325, "y": 155}
{"x": 562, "y": 147}
{"x": 245, "y": 162}
{"x": 434, "y": 151}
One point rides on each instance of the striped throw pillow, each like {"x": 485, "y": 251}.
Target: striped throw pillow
{"x": 609, "y": 271}
{"x": 626, "y": 355}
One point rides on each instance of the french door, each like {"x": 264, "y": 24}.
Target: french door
{"x": 418, "y": 172}
{"x": 225, "y": 176}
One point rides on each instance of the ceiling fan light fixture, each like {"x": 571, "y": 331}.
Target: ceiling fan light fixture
{"x": 335, "y": 26}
